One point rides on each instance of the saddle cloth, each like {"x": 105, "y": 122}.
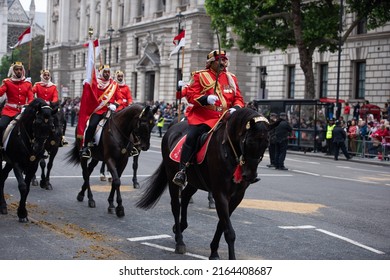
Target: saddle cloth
{"x": 200, "y": 155}
{"x": 8, "y": 130}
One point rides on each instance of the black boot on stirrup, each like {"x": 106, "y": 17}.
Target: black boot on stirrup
{"x": 180, "y": 178}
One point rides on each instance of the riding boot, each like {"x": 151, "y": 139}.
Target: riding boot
{"x": 180, "y": 178}
{"x": 86, "y": 150}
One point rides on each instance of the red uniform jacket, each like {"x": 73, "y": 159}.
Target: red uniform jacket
{"x": 47, "y": 93}
{"x": 103, "y": 96}
{"x": 125, "y": 98}
{"x": 18, "y": 94}
{"x": 203, "y": 84}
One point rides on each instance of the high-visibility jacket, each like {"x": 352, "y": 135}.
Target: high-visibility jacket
{"x": 329, "y": 131}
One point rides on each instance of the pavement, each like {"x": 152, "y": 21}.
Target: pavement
{"x": 357, "y": 159}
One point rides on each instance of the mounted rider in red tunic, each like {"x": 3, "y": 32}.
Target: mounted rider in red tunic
{"x": 212, "y": 92}
{"x": 125, "y": 96}
{"x": 19, "y": 94}
{"x": 106, "y": 93}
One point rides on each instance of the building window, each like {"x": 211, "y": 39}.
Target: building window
{"x": 105, "y": 56}
{"x": 134, "y": 83}
{"x": 323, "y": 80}
{"x": 360, "y": 80}
{"x": 74, "y": 61}
{"x": 84, "y": 61}
{"x": 291, "y": 82}
{"x": 362, "y": 27}
{"x": 117, "y": 55}
{"x": 136, "y": 46}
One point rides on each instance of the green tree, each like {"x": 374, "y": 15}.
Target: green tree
{"x": 278, "y": 24}
{"x": 22, "y": 54}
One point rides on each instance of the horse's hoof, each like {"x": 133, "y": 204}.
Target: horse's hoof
{"x": 214, "y": 257}
{"x": 91, "y": 204}
{"x": 23, "y": 220}
{"x": 4, "y": 211}
{"x": 180, "y": 249}
{"x": 136, "y": 185}
{"x": 49, "y": 187}
{"x": 80, "y": 197}
{"x": 211, "y": 205}
{"x": 102, "y": 177}
{"x": 111, "y": 210}
{"x": 120, "y": 211}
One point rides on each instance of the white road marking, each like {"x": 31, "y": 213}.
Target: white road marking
{"x": 351, "y": 241}
{"x": 336, "y": 236}
{"x": 173, "y": 250}
{"x": 304, "y": 161}
{"x": 308, "y": 173}
{"x": 152, "y": 237}
{"x": 361, "y": 169}
{"x": 297, "y": 227}
{"x": 349, "y": 179}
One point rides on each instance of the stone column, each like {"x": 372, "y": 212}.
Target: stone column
{"x": 83, "y": 31}
{"x": 141, "y": 86}
{"x": 92, "y": 15}
{"x": 103, "y": 19}
{"x": 134, "y": 10}
{"x": 115, "y": 16}
{"x": 128, "y": 9}
{"x": 64, "y": 21}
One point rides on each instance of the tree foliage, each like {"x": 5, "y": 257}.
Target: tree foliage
{"x": 279, "y": 24}
{"x": 22, "y": 54}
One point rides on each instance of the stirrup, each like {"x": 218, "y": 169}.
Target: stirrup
{"x": 86, "y": 153}
{"x": 180, "y": 179}
{"x": 134, "y": 152}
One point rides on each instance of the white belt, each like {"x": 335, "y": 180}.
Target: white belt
{"x": 17, "y": 106}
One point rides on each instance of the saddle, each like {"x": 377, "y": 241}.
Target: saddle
{"x": 203, "y": 143}
{"x": 99, "y": 127}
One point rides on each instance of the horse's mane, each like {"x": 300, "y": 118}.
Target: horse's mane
{"x": 31, "y": 109}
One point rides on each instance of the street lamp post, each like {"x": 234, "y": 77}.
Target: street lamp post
{"x": 263, "y": 77}
{"x": 47, "y": 55}
{"x": 338, "y": 104}
{"x": 110, "y": 31}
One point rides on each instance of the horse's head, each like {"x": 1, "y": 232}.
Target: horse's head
{"x": 145, "y": 124}
{"x": 253, "y": 141}
{"x": 40, "y": 114}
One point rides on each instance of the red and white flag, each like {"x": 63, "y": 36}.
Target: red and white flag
{"x": 96, "y": 46}
{"x": 24, "y": 38}
{"x": 89, "y": 100}
{"x": 179, "y": 41}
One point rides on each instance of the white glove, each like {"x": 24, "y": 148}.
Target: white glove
{"x": 86, "y": 81}
{"x": 28, "y": 79}
{"x": 211, "y": 99}
{"x": 112, "y": 107}
{"x": 180, "y": 83}
{"x": 232, "y": 110}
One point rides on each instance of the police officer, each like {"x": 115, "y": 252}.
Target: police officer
{"x": 282, "y": 131}
{"x": 210, "y": 99}
{"x": 19, "y": 93}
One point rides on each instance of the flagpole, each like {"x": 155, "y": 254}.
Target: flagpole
{"x": 30, "y": 55}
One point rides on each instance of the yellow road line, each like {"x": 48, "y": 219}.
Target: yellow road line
{"x": 284, "y": 206}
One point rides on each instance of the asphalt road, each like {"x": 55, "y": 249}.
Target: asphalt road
{"x": 317, "y": 210}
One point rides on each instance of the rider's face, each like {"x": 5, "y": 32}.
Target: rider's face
{"x": 46, "y": 76}
{"x": 222, "y": 65}
{"x": 119, "y": 78}
{"x": 106, "y": 74}
{"x": 18, "y": 71}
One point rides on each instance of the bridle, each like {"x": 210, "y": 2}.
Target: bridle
{"x": 243, "y": 159}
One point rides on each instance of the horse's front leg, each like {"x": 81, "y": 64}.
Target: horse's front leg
{"x": 224, "y": 225}
{"x": 87, "y": 170}
{"x": 3, "y": 176}
{"x": 185, "y": 199}
{"x": 49, "y": 168}
{"x": 174, "y": 191}
{"x": 135, "y": 168}
{"x": 116, "y": 172}
{"x": 23, "y": 190}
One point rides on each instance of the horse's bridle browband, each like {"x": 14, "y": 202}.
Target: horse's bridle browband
{"x": 241, "y": 160}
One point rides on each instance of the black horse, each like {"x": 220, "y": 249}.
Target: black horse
{"x": 51, "y": 146}
{"x": 135, "y": 154}
{"x": 24, "y": 150}
{"x": 130, "y": 127}
{"x": 230, "y": 166}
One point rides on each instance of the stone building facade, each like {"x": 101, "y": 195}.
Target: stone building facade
{"x": 141, "y": 38}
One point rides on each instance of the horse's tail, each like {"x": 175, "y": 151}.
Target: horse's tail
{"x": 155, "y": 187}
{"x": 73, "y": 155}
